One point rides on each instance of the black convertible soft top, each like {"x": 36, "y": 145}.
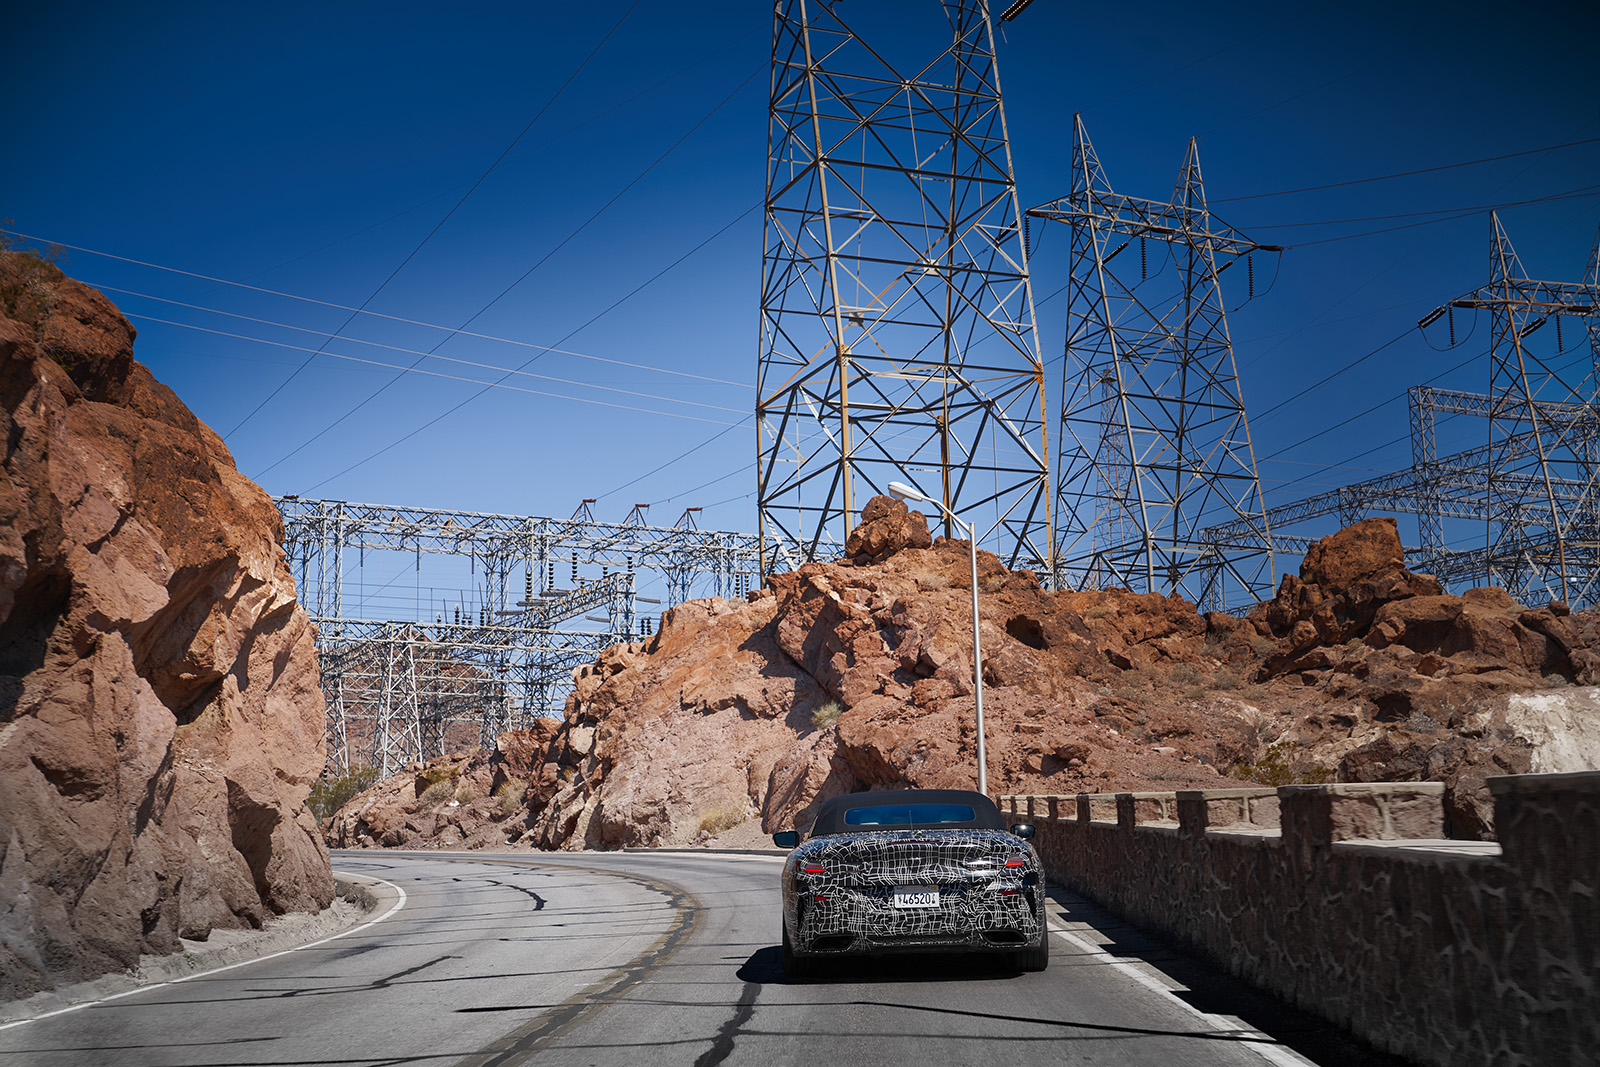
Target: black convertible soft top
{"x": 831, "y": 817}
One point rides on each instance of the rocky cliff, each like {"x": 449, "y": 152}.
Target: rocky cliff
{"x": 858, "y": 673}
{"x": 161, "y": 722}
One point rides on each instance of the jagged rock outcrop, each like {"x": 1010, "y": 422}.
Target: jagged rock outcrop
{"x": 856, "y": 674}
{"x": 161, "y": 723}
{"x": 465, "y": 800}
{"x": 1430, "y": 677}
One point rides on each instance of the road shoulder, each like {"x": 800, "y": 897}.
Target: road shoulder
{"x": 357, "y": 898}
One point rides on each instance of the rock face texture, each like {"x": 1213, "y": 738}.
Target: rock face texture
{"x": 858, "y": 674}
{"x": 161, "y": 722}
{"x": 465, "y": 801}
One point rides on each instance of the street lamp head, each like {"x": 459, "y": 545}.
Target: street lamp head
{"x": 906, "y": 492}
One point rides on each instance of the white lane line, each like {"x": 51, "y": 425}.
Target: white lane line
{"x": 1275, "y": 1054}
{"x": 398, "y": 904}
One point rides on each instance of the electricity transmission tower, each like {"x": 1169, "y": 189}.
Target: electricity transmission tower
{"x": 1154, "y": 443}
{"x": 398, "y": 689}
{"x": 897, "y": 325}
{"x": 1529, "y": 493}
{"x": 1538, "y": 493}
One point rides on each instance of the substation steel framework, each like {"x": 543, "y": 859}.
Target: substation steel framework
{"x": 897, "y": 325}
{"x": 1154, "y": 443}
{"x": 397, "y": 685}
{"x": 1533, "y": 485}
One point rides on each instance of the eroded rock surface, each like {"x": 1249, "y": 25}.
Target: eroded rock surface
{"x": 858, "y": 674}
{"x": 161, "y": 723}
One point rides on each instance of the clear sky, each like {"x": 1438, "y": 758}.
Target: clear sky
{"x": 320, "y": 157}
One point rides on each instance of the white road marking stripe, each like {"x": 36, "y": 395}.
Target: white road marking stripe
{"x": 1275, "y": 1054}
{"x": 218, "y": 970}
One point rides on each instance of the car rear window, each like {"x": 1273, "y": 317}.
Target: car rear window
{"x": 909, "y": 815}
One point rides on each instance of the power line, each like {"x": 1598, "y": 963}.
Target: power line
{"x": 500, "y": 384}
{"x": 1435, "y": 222}
{"x": 523, "y": 277}
{"x": 592, "y": 320}
{"x": 1405, "y": 173}
{"x": 413, "y": 351}
{"x": 1330, "y": 377}
{"x": 437, "y": 226}
{"x": 1348, "y": 74}
{"x": 1204, "y": 58}
{"x": 682, "y": 455}
{"x": 1569, "y": 194}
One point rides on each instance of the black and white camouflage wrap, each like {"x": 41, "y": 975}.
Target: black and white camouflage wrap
{"x": 849, "y": 908}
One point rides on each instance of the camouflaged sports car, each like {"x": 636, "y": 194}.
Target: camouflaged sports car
{"x": 911, "y": 870}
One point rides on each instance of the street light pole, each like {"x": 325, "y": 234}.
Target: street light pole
{"x": 905, "y": 492}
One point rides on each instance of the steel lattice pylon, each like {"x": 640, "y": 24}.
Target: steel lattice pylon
{"x": 394, "y": 687}
{"x": 1154, "y": 443}
{"x": 897, "y": 325}
{"x": 1539, "y": 476}
{"x": 1532, "y": 488}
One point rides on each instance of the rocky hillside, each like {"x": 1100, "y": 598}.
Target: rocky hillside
{"x": 858, "y": 674}
{"x": 161, "y": 722}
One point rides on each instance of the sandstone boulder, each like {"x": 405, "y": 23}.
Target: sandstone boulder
{"x": 887, "y": 526}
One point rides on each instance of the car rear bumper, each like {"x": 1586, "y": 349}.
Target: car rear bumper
{"x": 969, "y": 919}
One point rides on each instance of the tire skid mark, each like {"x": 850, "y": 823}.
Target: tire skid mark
{"x": 523, "y": 1044}
{"x": 722, "y": 1044}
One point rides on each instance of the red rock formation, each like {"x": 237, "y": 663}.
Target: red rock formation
{"x": 160, "y": 718}
{"x": 476, "y": 799}
{"x": 859, "y": 673}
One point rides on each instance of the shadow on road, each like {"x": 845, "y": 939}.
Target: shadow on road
{"x": 1208, "y": 988}
{"x": 765, "y": 967}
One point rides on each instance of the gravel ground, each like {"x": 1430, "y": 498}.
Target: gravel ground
{"x": 353, "y": 905}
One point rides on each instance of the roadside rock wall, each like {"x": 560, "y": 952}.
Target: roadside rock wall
{"x": 161, "y": 722}
{"x": 1344, "y": 900}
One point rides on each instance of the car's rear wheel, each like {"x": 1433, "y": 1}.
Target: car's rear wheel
{"x": 796, "y": 968}
{"x": 1036, "y": 957}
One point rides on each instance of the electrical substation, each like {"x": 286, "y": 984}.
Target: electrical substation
{"x": 545, "y": 597}
{"x": 898, "y": 342}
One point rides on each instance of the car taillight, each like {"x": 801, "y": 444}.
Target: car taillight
{"x": 1017, "y": 861}
{"x": 813, "y": 868}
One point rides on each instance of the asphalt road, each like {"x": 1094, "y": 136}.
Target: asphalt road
{"x": 663, "y": 958}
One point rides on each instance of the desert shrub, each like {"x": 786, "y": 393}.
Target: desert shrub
{"x": 436, "y": 794}
{"x": 1262, "y": 646}
{"x": 330, "y": 794}
{"x": 510, "y": 795}
{"x": 1100, "y": 610}
{"x": 933, "y": 581}
{"x": 1185, "y": 674}
{"x": 435, "y": 775}
{"x": 29, "y": 298}
{"x": 1226, "y": 678}
{"x": 1275, "y": 767}
{"x": 826, "y": 715}
{"x": 465, "y": 792}
{"x": 721, "y": 818}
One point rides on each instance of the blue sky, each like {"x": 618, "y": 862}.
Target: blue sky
{"x": 308, "y": 150}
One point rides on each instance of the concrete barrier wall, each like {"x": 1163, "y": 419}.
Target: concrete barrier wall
{"x": 1347, "y": 901}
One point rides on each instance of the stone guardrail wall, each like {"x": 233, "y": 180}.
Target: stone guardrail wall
{"x": 1346, "y": 901}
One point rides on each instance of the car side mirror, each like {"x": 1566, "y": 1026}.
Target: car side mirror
{"x": 791, "y": 838}
{"x": 1023, "y": 830}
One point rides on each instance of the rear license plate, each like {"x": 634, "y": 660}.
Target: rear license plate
{"x": 916, "y": 896}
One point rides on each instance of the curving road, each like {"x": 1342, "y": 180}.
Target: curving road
{"x": 662, "y": 958}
